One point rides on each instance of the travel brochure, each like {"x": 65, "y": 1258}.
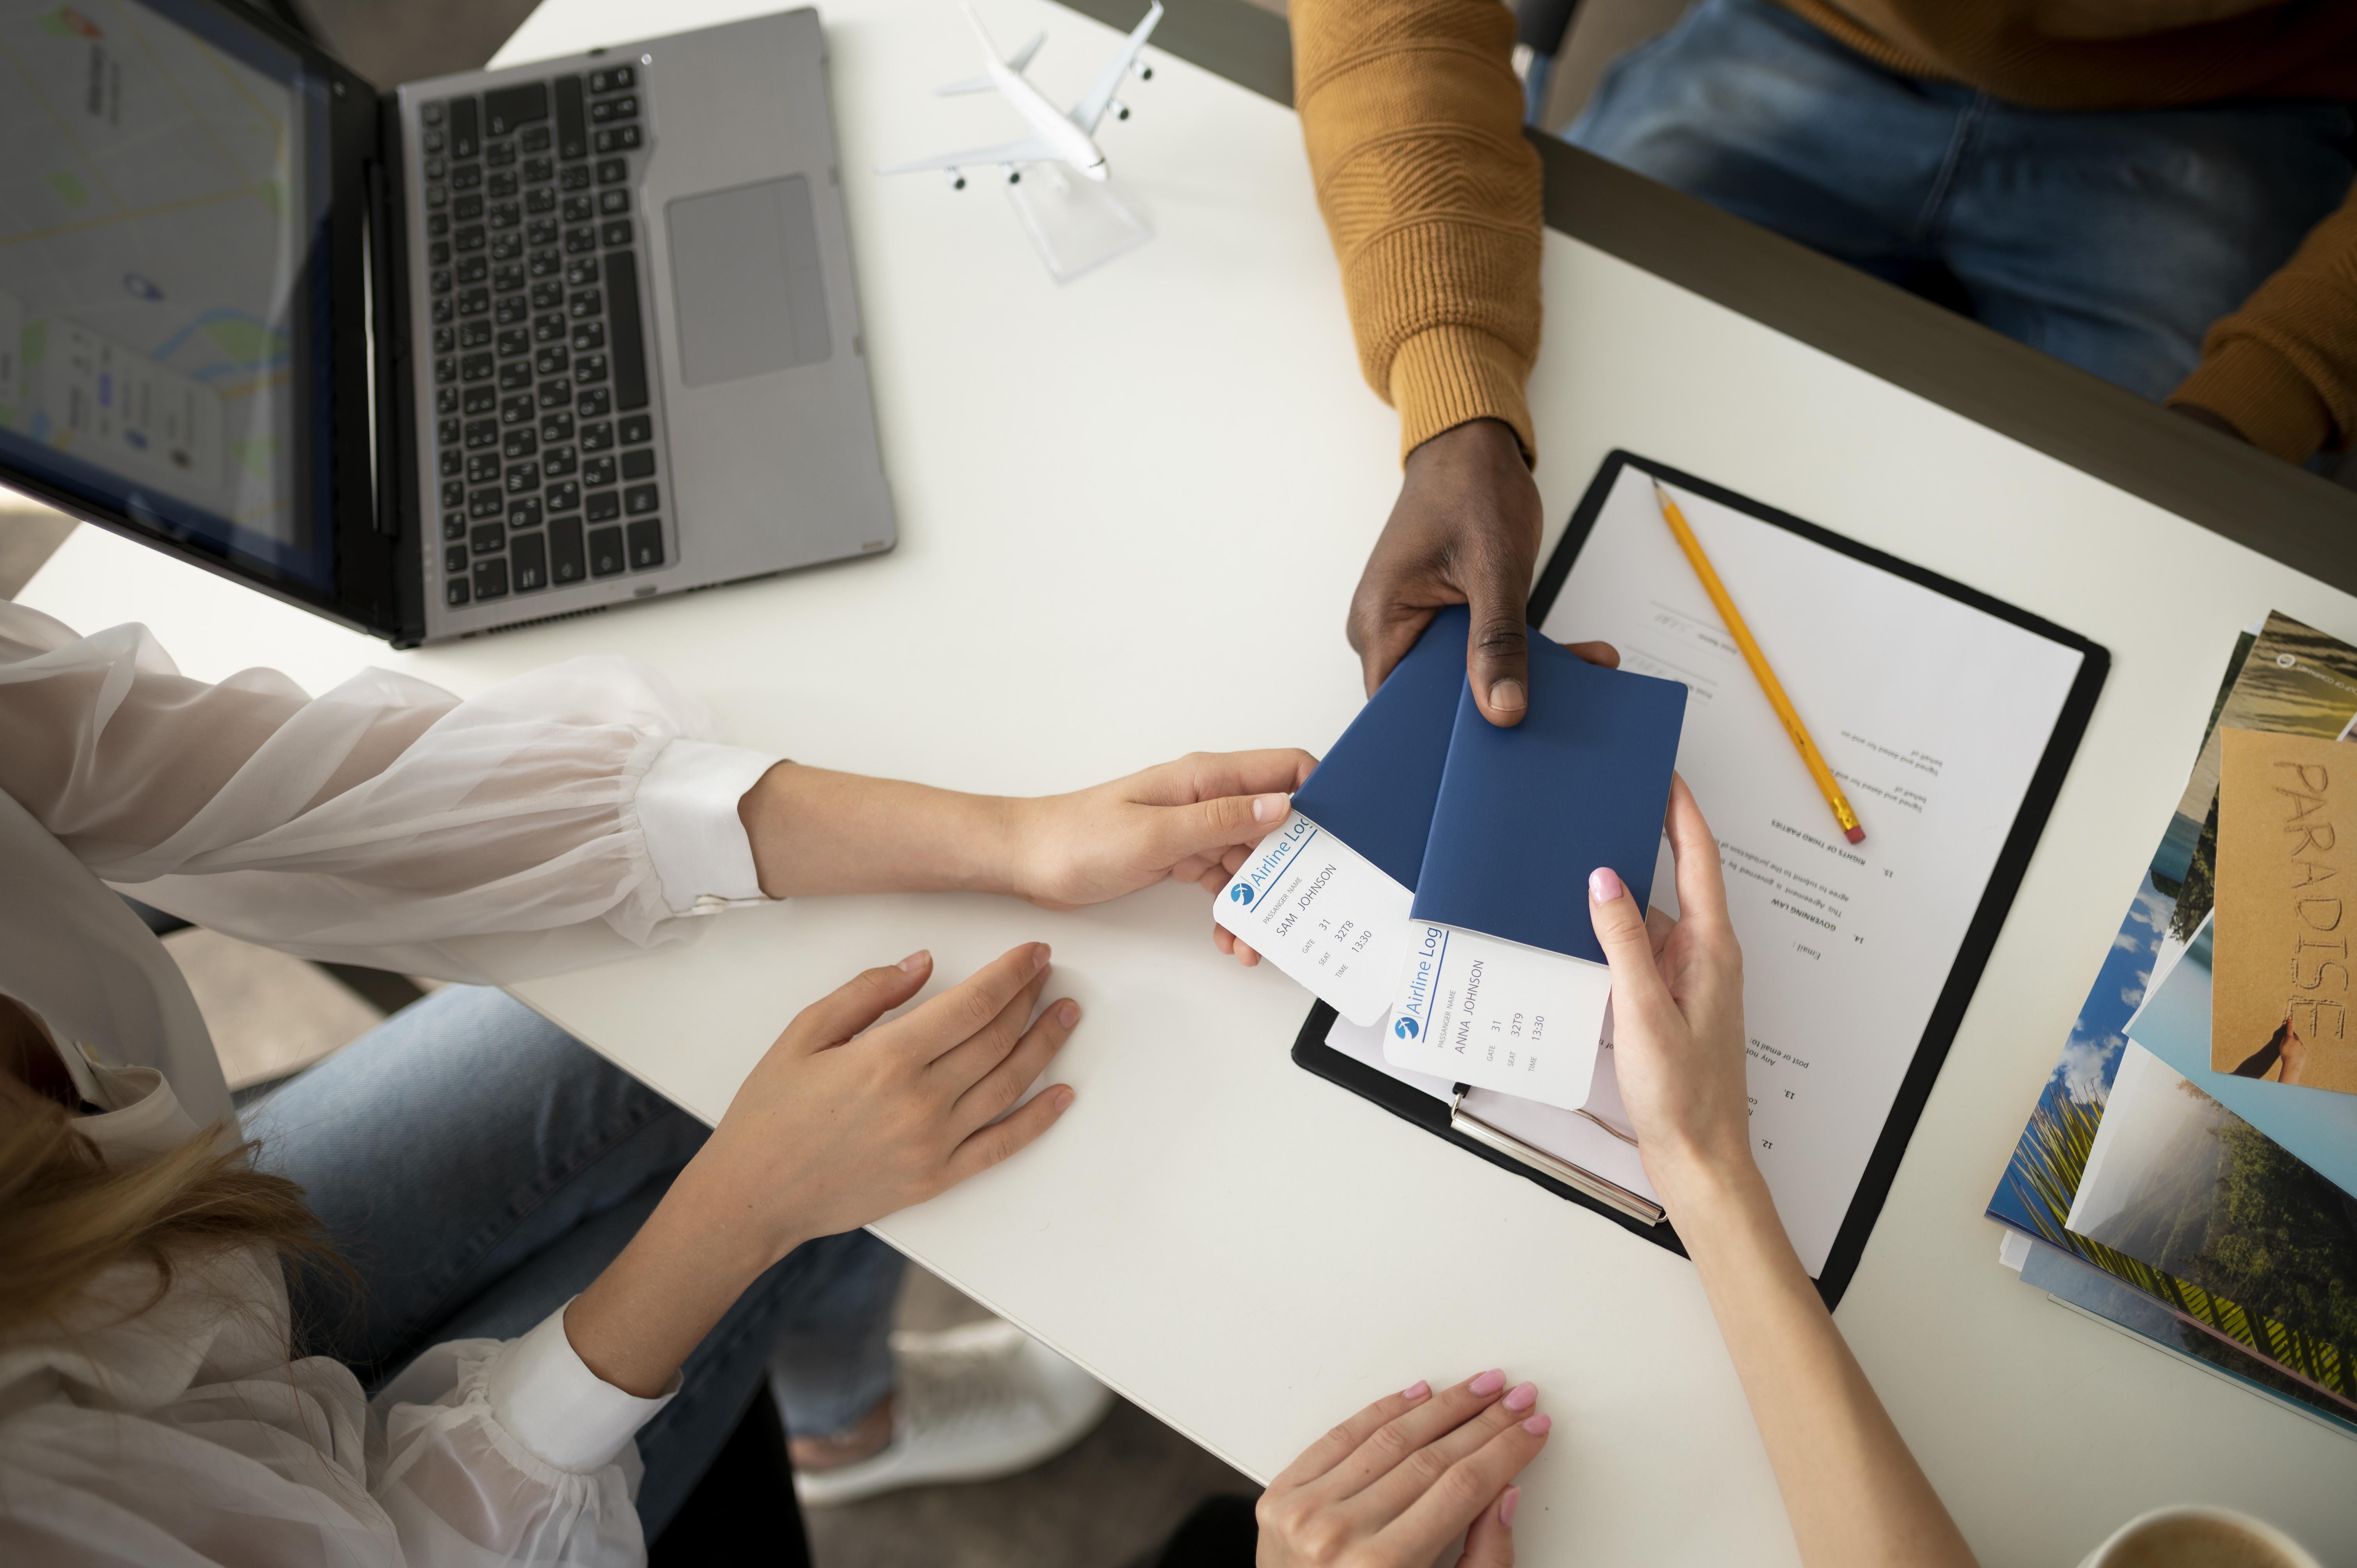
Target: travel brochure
{"x": 2319, "y": 1129}
{"x": 2191, "y": 1147}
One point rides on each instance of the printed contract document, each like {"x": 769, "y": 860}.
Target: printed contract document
{"x": 1934, "y": 715}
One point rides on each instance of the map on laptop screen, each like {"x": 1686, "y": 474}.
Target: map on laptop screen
{"x": 157, "y": 205}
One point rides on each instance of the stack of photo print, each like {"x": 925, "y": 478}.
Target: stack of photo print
{"x": 2136, "y": 1194}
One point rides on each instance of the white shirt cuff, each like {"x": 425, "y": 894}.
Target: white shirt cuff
{"x": 687, "y": 809}
{"x": 550, "y": 1400}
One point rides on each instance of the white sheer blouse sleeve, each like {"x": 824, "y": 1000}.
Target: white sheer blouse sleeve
{"x": 186, "y": 1436}
{"x": 511, "y": 1452}
{"x": 557, "y": 819}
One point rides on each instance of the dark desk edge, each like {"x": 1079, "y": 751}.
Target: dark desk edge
{"x": 2284, "y": 512}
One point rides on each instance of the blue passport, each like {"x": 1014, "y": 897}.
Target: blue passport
{"x": 1525, "y": 814}
{"x": 1325, "y": 897}
{"x": 1375, "y": 788}
{"x": 1503, "y": 986}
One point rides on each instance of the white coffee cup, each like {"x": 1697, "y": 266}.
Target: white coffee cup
{"x": 2193, "y": 1536}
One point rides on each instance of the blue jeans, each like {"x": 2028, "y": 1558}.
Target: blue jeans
{"x": 2108, "y": 240}
{"x": 478, "y": 1167}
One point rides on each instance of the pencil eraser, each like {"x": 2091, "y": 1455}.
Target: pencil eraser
{"x": 1856, "y": 835}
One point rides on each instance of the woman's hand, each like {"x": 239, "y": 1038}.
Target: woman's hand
{"x": 834, "y": 1128}
{"x": 816, "y": 832}
{"x": 1678, "y": 1010}
{"x": 1192, "y": 820}
{"x": 1400, "y": 1480}
{"x": 1852, "y": 1491}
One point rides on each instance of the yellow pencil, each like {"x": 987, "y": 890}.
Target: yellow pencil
{"x": 1759, "y": 662}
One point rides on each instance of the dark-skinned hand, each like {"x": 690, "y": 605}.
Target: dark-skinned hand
{"x": 1594, "y": 652}
{"x": 1465, "y": 531}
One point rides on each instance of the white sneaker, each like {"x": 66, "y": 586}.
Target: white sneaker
{"x": 975, "y": 1403}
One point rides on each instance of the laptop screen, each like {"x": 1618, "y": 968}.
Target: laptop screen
{"x": 163, "y": 205}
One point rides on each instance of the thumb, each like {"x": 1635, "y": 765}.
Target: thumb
{"x": 859, "y": 1001}
{"x": 1497, "y": 644}
{"x": 1637, "y": 993}
{"x": 1180, "y": 832}
{"x": 1490, "y": 1542}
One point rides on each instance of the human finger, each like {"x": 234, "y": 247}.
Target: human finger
{"x": 1602, "y": 654}
{"x": 858, "y": 1003}
{"x": 964, "y": 1065}
{"x": 1463, "y": 1490}
{"x": 1497, "y": 643}
{"x": 1235, "y": 946}
{"x": 988, "y": 1145}
{"x": 1342, "y": 1440}
{"x": 1205, "y": 775}
{"x": 1002, "y": 1086}
{"x": 965, "y": 1009}
{"x": 1215, "y": 869}
{"x": 1388, "y": 1447}
{"x": 1702, "y": 885}
{"x": 1176, "y": 833}
{"x": 1389, "y": 1495}
{"x": 1490, "y": 1542}
{"x": 1640, "y": 995}
{"x": 1222, "y": 870}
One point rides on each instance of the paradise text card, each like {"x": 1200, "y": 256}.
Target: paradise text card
{"x": 2286, "y": 877}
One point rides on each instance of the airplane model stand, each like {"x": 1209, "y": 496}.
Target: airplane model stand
{"x": 1075, "y": 225}
{"x": 1066, "y": 205}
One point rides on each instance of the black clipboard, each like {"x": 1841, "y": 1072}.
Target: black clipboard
{"x": 1311, "y": 1051}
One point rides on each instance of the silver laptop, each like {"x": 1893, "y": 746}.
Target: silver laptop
{"x": 484, "y": 351}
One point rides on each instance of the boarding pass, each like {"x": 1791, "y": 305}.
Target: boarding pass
{"x": 1323, "y": 913}
{"x": 1497, "y": 1015}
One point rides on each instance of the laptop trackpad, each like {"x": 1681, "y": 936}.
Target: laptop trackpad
{"x": 745, "y": 278}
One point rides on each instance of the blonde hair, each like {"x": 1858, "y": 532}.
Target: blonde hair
{"x": 67, "y": 1216}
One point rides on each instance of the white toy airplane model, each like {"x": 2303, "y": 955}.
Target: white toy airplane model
{"x": 1057, "y": 137}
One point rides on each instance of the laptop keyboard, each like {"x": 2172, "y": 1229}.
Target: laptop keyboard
{"x": 543, "y": 443}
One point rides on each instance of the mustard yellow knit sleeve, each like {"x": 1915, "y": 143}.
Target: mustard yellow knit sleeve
{"x": 1413, "y": 117}
{"x": 2283, "y": 368}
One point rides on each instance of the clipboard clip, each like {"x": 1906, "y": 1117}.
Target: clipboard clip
{"x": 1610, "y": 1194}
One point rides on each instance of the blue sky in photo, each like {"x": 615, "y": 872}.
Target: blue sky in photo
{"x": 2091, "y": 1054}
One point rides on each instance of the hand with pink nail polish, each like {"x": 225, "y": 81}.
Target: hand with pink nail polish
{"x": 1856, "y": 1497}
{"x": 1678, "y": 1012}
{"x": 1398, "y": 1482}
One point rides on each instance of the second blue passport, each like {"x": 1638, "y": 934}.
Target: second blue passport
{"x": 1504, "y": 987}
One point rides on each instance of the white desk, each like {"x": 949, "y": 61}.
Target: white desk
{"x": 1096, "y": 485}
